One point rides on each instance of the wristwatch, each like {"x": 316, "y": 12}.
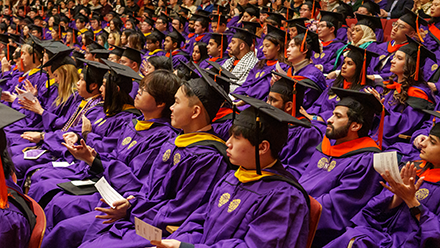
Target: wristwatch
{"x": 416, "y": 210}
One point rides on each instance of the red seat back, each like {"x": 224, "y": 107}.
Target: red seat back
{"x": 40, "y": 226}
{"x": 315, "y": 215}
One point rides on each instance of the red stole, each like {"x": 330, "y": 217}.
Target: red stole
{"x": 393, "y": 48}
{"x": 434, "y": 30}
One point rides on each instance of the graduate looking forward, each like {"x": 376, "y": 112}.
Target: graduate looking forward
{"x": 260, "y": 204}
{"x": 340, "y": 174}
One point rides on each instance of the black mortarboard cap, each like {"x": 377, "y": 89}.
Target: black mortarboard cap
{"x": 218, "y": 69}
{"x": 368, "y": 101}
{"x": 94, "y": 45}
{"x": 210, "y": 94}
{"x": 93, "y": 69}
{"x": 313, "y": 6}
{"x": 36, "y": 44}
{"x": 60, "y": 59}
{"x": 54, "y": 47}
{"x": 251, "y": 26}
{"x": 157, "y": 34}
{"x": 265, "y": 10}
{"x": 372, "y": 22}
{"x": 176, "y": 36}
{"x": 276, "y": 17}
{"x": 372, "y": 7}
{"x": 417, "y": 51}
{"x": 333, "y": 17}
{"x": 311, "y": 38}
{"x": 220, "y": 9}
{"x": 203, "y": 12}
{"x": 186, "y": 71}
{"x": 184, "y": 10}
{"x": 181, "y": 19}
{"x": 117, "y": 50}
{"x": 345, "y": 9}
{"x": 96, "y": 16}
{"x": 435, "y": 130}
{"x": 202, "y": 17}
{"x": 16, "y": 38}
{"x": 261, "y": 117}
{"x": 133, "y": 20}
{"x": 224, "y": 82}
{"x": 411, "y": 19}
{"x": 133, "y": 54}
{"x": 299, "y": 21}
{"x": 244, "y": 35}
{"x": 122, "y": 70}
{"x": 239, "y": 8}
{"x": 361, "y": 57}
{"x": 288, "y": 11}
{"x": 293, "y": 89}
{"x": 275, "y": 33}
{"x": 9, "y": 115}
{"x": 81, "y": 18}
{"x": 100, "y": 53}
{"x": 149, "y": 21}
{"x": 223, "y": 19}
{"x": 149, "y": 11}
{"x": 165, "y": 18}
{"x": 252, "y": 10}
{"x": 36, "y": 27}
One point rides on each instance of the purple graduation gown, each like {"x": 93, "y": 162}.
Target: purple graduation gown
{"x": 301, "y": 144}
{"x": 189, "y": 47}
{"x": 204, "y": 64}
{"x": 179, "y": 54}
{"x": 378, "y": 226}
{"x": 185, "y": 173}
{"x": 258, "y": 213}
{"x": 15, "y": 231}
{"x": 257, "y": 84}
{"x": 342, "y": 179}
{"x": 148, "y": 54}
{"x": 328, "y": 56}
{"x": 405, "y": 119}
{"x": 125, "y": 169}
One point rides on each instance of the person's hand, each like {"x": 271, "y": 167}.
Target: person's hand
{"x": 82, "y": 152}
{"x": 114, "y": 214}
{"x": 166, "y": 243}
{"x": 432, "y": 87}
{"x": 332, "y": 75}
{"x": 407, "y": 192}
{"x": 408, "y": 171}
{"x": 418, "y": 140}
{"x": 70, "y": 138}
{"x": 274, "y": 79}
{"x": 304, "y": 112}
{"x": 8, "y": 97}
{"x": 34, "y": 137}
{"x": 86, "y": 125}
{"x": 383, "y": 13}
{"x": 30, "y": 88}
{"x": 375, "y": 93}
{"x": 320, "y": 67}
{"x": 239, "y": 103}
{"x": 33, "y": 106}
{"x": 6, "y": 66}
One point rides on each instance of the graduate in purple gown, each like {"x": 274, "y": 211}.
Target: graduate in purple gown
{"x": 301, "y": 141}
{"x": 154, "y": 46}
{"x": 15, "y": 213}
{"x": 218, "y": 43}
{"x": 257, "y": 83}
{"x": 326, "y": 31}
{"x": 81, "y": 22}
{"x": 201, "y": 31}
{"x": 351, "y": 77}
{"x": 128, "y": 165}
{"x": 243, "y": 204}
{"x": 172, "y": 45}
{"x": 347, "y": 12}
{"x": 275, "y": 19}
{"x": 95, "y": 25}
{"x": 299, "y": 53}
{"x": 88, "y": 88}
{"x": 340, "y": 174}
{"x": 133, "y": 58}
{"x": 185, "y": 172}
{"x": 407, "y": 92}
{"x": 404, "y": 214}
{"x": 405, "y": 25}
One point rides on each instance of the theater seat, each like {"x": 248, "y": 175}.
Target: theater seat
{"x": 40, "y": 226}
{"x": 315, "y": 215}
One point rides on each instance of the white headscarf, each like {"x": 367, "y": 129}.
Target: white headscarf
{"x": 369, "y": 35}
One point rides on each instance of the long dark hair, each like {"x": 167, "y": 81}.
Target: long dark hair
{"x": 160, "y": 62}
{"x": 408, "y": 79}
{"x": 116, "y": 99}
{"x": 203, "y": 51}
{"x": 280, "y": 57}
{"x": 355, "y": 85}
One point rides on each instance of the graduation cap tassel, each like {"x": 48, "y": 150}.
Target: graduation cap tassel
{"x": 416, "y": 76}
{"x": 7, "y": 48}
{"x": 21, "y": 62}
{"x": 313, "y": 10}
{"x": 221, "y": 46}
{"x": 418, "y": 29}
{"x": 257, "y": 146}
{"x": 3, "y": 189}
{"x": 303, "y": 43}
{"x": 364, "y": 69}
{"x": 285, "y": 45}
{"x": 59, "y": 31}
{"x": 293, "y": 112}
{"x": 218, "y": 22}
{"x": 382, "y": 121}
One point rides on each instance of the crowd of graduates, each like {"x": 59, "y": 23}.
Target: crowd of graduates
{"x": 217, "y": 122}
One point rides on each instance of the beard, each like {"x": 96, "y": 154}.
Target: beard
{"x": 191, "y": 30}
{"x": 337, "y": 133}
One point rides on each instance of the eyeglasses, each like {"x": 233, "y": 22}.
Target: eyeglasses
{"x": 398, "y": 26}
